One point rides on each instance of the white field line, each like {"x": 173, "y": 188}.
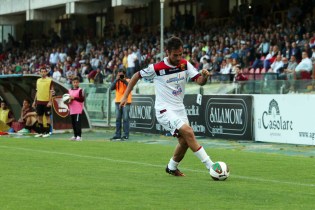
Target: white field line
{"x": 153, "y": 165}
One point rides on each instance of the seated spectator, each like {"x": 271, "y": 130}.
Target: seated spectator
{"x": 6, "y": 117}
{"x": 56, "y": 75}
{"x": 304, "y": 68}
{"x": 91, "y": 76}
{"x": 277, "y": 65}
{"x": 205, "y": 63}
{"x": 288, "y": 72}
{"x": 302, "y": 71}
{"x": 239, "y": 78}
{"x": 225, "y": 71}
{"x": 313, "y": 55}
{"x": 270, "y": 58}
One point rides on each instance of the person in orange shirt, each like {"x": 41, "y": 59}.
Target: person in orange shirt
{"x": 122, "y": 114}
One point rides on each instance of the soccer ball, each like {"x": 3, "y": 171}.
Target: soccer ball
{"x": 219, "y": 171}
{"x": 66, "y": 98}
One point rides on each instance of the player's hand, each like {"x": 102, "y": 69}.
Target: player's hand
{"x": 205, "y": 73}
{"x": 123, "y": 102}
{"x": 49, "y": 104}
{"x": 34, "y": 105}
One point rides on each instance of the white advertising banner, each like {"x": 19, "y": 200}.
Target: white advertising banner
{"x": 285, "y": 118}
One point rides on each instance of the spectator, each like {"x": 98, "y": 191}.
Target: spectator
{"x": 131, "y": 59}
{"x": 302, "y": 71}
{"x": 239, "y": 78}
{"x": 288, "y": 70}
{"x": 99, "y": 77}
{"x": 56, "y": 75}
{"x": 296, "y": 51}
{"x": 225, "y": 71}
{"x": 70, "y": 74}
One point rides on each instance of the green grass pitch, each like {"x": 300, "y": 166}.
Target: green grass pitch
{"x": 54, "y": 173}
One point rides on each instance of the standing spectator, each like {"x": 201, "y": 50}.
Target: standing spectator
{"x": 169, "y": 106}
{"x": 99, "y": 77}
{"x": 42, "y": 101}
{"x": 120, "y": 84}
{"x": 53, "y": 58}
{"x": 286, "y": 50}
{"x": 296, "y": 51}
{"x": 76, "y": 107}
{"x": 132, "y": 57}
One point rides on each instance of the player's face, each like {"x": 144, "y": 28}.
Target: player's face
{"x": 174, "y": 56}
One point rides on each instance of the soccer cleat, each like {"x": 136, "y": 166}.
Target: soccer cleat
{"x": 46, "y": 135}
{"x": 72, "y": 138}
{"x": 174, "y": 172}
{"x": 38, "y": 135}
{"x": 78, "y": 138}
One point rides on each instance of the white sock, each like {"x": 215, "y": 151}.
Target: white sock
{"x": 204, "y": 158}
{"x": 172, "y": 165}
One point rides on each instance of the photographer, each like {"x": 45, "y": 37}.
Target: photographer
{"x": 122, "y": 114}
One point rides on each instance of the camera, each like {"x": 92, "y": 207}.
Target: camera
{"x": 122, "y": 76}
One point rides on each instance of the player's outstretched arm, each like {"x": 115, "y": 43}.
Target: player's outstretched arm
{"x": 133, "y": 81}
{"x": 202, "y": 80}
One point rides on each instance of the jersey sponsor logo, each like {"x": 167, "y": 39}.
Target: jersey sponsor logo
{"x": 175, "y": 79}
{"x": 60, "y": 108}
{"x": 178, "y": 90}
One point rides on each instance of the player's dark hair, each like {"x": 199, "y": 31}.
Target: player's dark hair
{"x": 27, "y": 100}
{"x": 174, "y": 43}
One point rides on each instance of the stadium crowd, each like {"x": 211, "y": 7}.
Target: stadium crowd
{"x": 260, "y": 40}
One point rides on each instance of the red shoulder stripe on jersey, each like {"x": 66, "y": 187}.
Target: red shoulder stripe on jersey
{"x": 160, "y": 65}
{"x": 195, "y": 77}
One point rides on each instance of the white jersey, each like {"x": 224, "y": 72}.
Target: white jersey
{"x": 169, "y": 83}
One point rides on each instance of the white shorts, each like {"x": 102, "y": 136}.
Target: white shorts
{"x": 172, "y": 120}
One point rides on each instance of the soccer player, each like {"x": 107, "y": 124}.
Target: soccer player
{"x": 42, "y": 101}
{"x": 170, "y": 76}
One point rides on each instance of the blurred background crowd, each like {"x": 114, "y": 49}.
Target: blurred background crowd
{"x": 256, "y": 39}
